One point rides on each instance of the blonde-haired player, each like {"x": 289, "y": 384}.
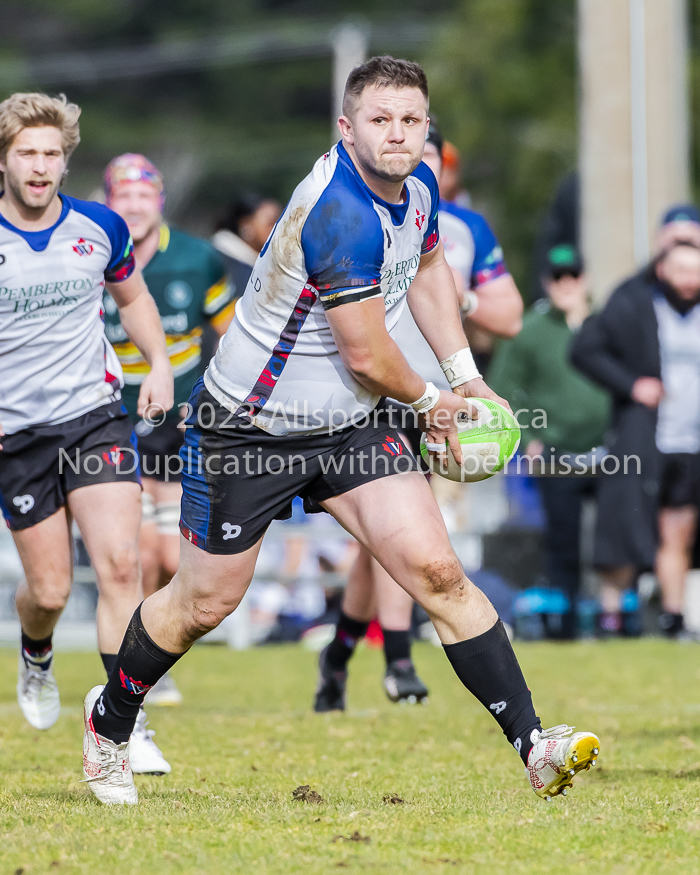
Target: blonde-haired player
{"x": 67, "y": 451}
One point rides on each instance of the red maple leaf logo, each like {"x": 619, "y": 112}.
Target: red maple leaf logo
{"x": 83, "y": 247}
{"x": 420, "y": 219}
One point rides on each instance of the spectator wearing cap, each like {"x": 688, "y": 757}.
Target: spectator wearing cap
{"x": 533, "y": 372}
{"x": 679, "y": 223}
{"x": 644, "y": 347}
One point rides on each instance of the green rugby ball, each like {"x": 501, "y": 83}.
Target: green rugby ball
{"x": 488, "y": 443}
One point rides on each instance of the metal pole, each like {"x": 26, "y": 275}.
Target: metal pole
{"x": 640, "y": 164}
{"x": 350, "y": 47}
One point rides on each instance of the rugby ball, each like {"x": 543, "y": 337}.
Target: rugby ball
{"x": 488, "y": 443}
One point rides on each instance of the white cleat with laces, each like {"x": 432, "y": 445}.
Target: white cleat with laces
{"x": 37, "y": 694}
{"x": 106, "y": 763}
{"x": 145, "y": 756}
{"x": 557, "y": 756}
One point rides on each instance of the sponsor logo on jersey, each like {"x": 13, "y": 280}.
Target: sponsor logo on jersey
{"x": 392, "y": 446}
{"x": 420, "y": 219}
{"x": 82, "y": 247}
{"x": 24, "y": 502}
{"x": 113, "y": 456}
{"x": 2, "y": 258}
{"x": 136, "y": 688}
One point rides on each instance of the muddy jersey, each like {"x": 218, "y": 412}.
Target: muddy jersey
{"x": 187, "y": 280}
{"x": 336, "y": 243}
{"x": 55, "y": 362}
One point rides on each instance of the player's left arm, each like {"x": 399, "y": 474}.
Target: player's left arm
{"x": 141, "y": 322}
{"x": 493, "y": 302}
{"x": 432, "y": 298}
{"x": 499, "y": 307}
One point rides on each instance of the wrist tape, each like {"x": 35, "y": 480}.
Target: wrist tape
{"x": 460, "y": 368}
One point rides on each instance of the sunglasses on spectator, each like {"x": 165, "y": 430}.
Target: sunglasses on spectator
{"x": 560, "y": 274}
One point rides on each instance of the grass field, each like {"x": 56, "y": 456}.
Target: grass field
{"x": 245, "y": 739}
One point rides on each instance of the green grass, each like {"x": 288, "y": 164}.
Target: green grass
{"x": 245, "y": 738}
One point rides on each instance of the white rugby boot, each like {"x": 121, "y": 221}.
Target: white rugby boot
{"x": 557, "y": 756}
{"x": 145, "y": 756}
{"x": 106, "y": 763}
{"x": 37, "y": 694}
{"x": 164, "y": 692}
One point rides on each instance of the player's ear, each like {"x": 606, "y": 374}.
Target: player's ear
{"x": 345, "y": 128}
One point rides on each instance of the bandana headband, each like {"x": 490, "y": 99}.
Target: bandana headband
{"x": 132, "y": 168}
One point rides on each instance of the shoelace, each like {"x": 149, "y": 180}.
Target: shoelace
{"x": 140, "y": 729}
{"x": 112, "y": 755}
{"x": 34, "y": 678}
{"x": 561, "y": 730}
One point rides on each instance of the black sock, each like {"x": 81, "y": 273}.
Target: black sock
{"x": 671, "y": 624}
{"x": 138, "y": 665}
{"x": 488, "y": 668}
{"x": 108, "y": 661}
{"x": 37, "y": 653}
{"x": 397, "y": 644}
{"x": 347, "y": 634}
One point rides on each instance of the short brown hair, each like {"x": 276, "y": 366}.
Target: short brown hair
{"x": 36, "y": 110}
{"x": 383, "y": 71}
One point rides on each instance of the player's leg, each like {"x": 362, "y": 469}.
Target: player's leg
{"x": 46, "y": 551}
{"x": 394, "y": 610}
{"x": 357, "y": 609}
{"x": 108, "y": 516}
{"x": 164, "y": 536}
{"x": 205, "y": 590}
{"x": 149, "y": 542}
{"x": 397, "y": 518}
{"x": 677, "y": 527}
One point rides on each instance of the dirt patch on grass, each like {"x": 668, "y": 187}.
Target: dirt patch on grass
{"x": 355, "y": 837}
{"x": 393, "y": 799}
{"x": 304, "y": 793}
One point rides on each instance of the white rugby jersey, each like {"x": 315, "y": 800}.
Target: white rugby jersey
{"x": 335, "y": 243}
{"x": 678, "y": 424}
{"x": 55, "y": 363}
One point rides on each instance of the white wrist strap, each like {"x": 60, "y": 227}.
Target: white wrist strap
{"x": 471, "y": 302}
{"x": 460, "y": 368}
{"x": 428, "y": 399}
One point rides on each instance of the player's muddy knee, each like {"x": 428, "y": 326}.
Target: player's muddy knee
{"x": 444, "y": 577}
{"x": 203, "y": 618}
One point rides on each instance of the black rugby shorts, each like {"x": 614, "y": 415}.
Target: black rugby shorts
{"x": 40, "y": 465}
{"x": 237, "y": 478}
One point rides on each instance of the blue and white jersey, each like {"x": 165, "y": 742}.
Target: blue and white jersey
{"x": 336, "y": 243}
{"x": 471, "y": 248}
{"x": 55, "y": 363}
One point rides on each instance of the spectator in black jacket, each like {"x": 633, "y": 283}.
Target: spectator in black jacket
{"x": 644, "y": 347}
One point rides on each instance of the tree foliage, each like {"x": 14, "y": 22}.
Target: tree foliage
{"x": 503, "y": 87}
